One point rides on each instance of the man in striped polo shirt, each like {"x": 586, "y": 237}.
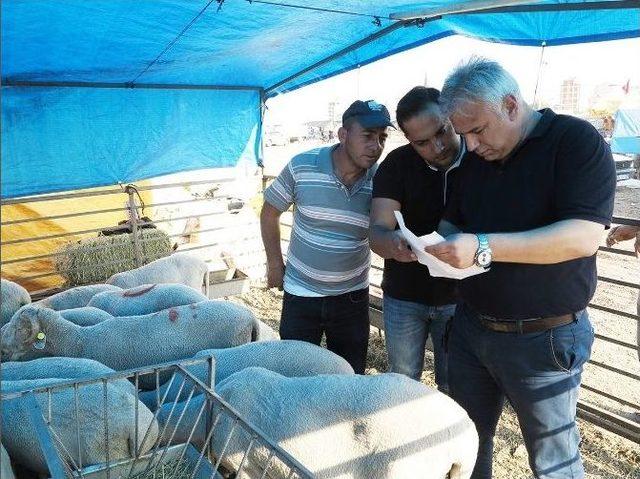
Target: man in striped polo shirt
{"x": 326, "y": 279}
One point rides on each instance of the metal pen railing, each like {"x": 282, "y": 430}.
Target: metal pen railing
{"x": 22, "y": 268}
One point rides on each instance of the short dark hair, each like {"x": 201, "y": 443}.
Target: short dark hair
{"x": 417, "y": 100}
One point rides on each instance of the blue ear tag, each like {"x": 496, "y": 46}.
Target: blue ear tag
{"x": 41, "y": 341}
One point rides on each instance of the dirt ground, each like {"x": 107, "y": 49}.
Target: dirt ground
{"x": 627, "y": 203}
{"x": 606, "y": 455}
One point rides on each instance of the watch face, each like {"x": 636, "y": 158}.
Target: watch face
{"x": 484, "y": 258}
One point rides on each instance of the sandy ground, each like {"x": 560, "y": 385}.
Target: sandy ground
{"x": 606, "y": 455}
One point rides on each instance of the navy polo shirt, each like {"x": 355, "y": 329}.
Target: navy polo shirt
{"x": 563, "y": 170}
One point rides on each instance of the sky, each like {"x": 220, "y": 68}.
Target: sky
{"x": 387, "y": 80}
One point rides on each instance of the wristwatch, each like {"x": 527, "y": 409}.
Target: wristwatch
{"x": 483, "y": 253}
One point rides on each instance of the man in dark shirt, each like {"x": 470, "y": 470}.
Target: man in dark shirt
{"x": 415, "y": 179}
{"x": 531, "y": 204}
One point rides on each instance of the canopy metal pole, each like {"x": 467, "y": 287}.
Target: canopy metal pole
{"x": 535, "y": 92}
{"x": 458, "y": 7}
{"x": 380, "y": 33}
{"x": 513, "y": 6}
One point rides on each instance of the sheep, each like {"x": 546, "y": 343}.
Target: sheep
{"x": 12, "y": 298}
{"x": 20, "y": 436}
{"x": 338, "y": 426}
{"x": 287, "y": 357}
{"x": 74, "y": 297}
{"x": 130, "y": 342}
{"x": 145, "y": 299}
{"x": 6, "y": 472}
{"x": 177, "y": 268}
{"x": 70, "y": 368}
{"x": 85, "y": 316}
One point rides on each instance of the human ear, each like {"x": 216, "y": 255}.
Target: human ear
{"x": 511, "y": 107}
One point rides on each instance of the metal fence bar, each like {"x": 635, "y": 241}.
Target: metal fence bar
{"x": 49, "y": 237}
{"x": 55, "y": 465}
{"x": 619, "y": 282}
{"x": 619, "y": 220}
{"x": 60, "y": 217}
{"x": 622, "y": 252}
{"x": 614, "y": 311}
{"x": 610, "y": 396}
{"x": 614, "y": 369}
{"x": 133, "y": 217}
{"x": 69, "y": 270}
{"x": 63, "y": 253}
{"x": 112, "y": 191}
{"x": 95, "y": 230}
{"x": 112, "y": 376}
{"x": 616, "y": 341}
{"x": 109, "y": 210}
{"x": 141, "y": 241}
{"x": 609, "y": 421}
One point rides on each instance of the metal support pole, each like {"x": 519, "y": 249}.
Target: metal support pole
{"x": 133, "y": 218}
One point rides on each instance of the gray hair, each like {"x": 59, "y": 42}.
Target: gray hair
{"x": 479, "y": 80}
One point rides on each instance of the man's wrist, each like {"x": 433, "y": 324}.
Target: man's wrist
{"x": 483, "y": 255}
{"x": 275, "y": 265}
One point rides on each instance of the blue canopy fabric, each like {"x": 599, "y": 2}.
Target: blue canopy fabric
{"x": 626, "y": 132}
{"x": 104, "y": 91}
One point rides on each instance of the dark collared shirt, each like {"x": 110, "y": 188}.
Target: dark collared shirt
{"x": 422, "y": 192}
{"x": 563, "y": 170}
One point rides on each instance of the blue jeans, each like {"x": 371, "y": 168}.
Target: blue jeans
{"x": 343, "y": 319}
{"x": 406, "y": 328}
{"x": 539, "y": 373}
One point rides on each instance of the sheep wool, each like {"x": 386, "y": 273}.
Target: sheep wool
{"x": 130, "y": 342}
{"x": 177, "y": 268}
{"x": 146, "y": 299}
{"x": 6, "y": 472}
{"x": 287, "y": 357}
{"x": 70, "y": 368}
{"x": 339, "y": 426}
{"x": 12, "y": 298}
{"x": 74, "y": 297}
{"x": 21, "y": 438}
{"x": 85, "y": 316}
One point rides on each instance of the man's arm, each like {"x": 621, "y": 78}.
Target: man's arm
{"x": 270, "y": 230}
{"x": 561, "y": 241}
{"x": 383, "y": 238}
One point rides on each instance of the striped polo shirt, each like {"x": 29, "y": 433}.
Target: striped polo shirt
{"x": 329, "y": 249}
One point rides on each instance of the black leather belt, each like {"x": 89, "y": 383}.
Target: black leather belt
{"x": 523, "y": 326}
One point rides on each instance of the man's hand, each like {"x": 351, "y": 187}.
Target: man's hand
{"x": 401, "y": 251}
{"x": 458, "y": 250}
{"x": 275, "y": 275}
{"x": 624, "y": 233}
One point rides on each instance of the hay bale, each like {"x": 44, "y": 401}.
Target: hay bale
{"x": 94, "y": 260}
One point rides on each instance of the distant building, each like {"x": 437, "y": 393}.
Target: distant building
{"x": 570, "y": 96}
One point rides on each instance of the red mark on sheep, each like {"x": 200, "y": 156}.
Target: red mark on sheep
{"x": 130, "y": 293}
{"x": 173, "y": 315}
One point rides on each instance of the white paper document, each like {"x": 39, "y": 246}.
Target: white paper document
{"x": 437, "y": 268}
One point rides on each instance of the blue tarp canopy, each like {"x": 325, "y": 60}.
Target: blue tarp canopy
{"x": 626, "y": 132}
{"x": 106, "y": 91}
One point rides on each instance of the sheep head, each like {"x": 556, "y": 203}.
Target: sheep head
{"x": 24, "y": 332}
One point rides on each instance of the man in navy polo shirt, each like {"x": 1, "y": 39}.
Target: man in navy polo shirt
{"x": 531, "y": 205}
{"x": 326, "y": 279}
{"x": 416, "y": 180}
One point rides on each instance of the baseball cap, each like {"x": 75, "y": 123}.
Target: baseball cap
{"x": 370, "y": 114}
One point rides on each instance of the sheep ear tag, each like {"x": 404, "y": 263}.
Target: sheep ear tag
{"x": 41, "y": 341}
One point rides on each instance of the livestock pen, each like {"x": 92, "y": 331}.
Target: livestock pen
{"x": 72, "y": 441}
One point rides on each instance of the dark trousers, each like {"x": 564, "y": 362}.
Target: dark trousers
{"x": 344, "y": 319}
{"x": 540, "y": 375}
